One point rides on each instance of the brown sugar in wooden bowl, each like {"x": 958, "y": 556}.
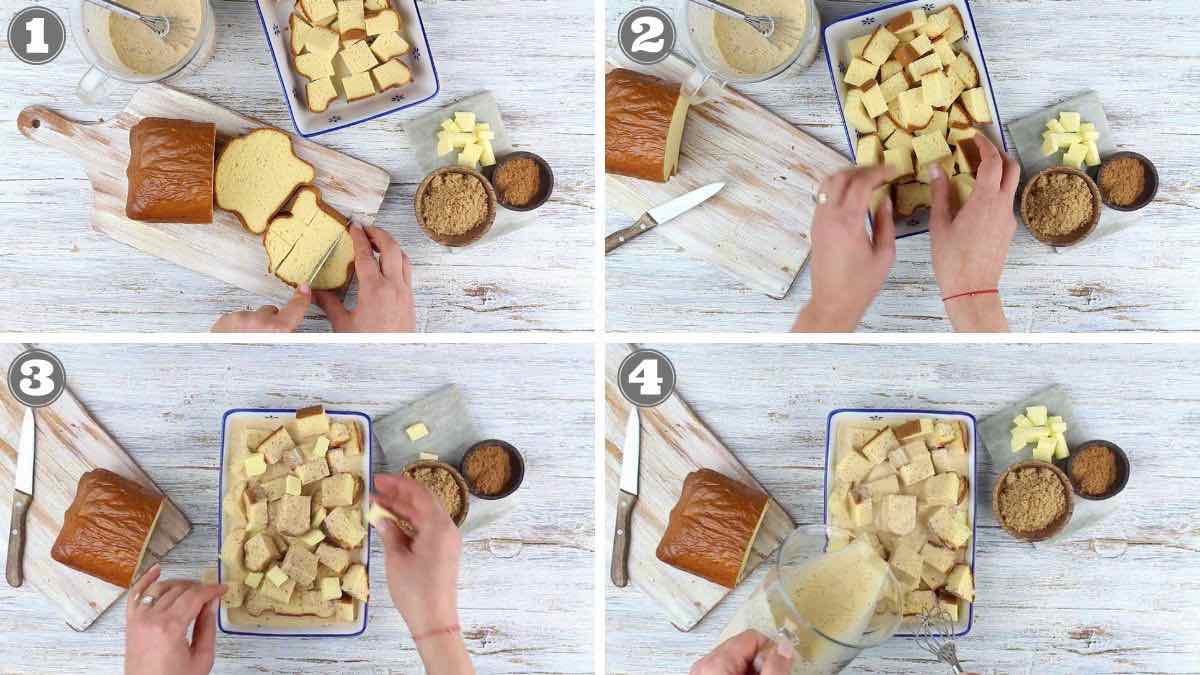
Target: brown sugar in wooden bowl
{"x": 463, "y": 238}
{"x": 464, "y": 494}
{"x": 1061, "y": 519}
{"x": 1075, "y": 236}
{"x": 516, "y": 464}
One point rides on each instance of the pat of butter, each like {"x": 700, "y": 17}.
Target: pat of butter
{"x": 255, "y": 465}
{"x": 465, "y": 120}
{"x": 292, "y": 486}
{"x": 277, "y": 576}
{"x": 482, "y": 126}
{"x": 312, "y": 538}
{"x": 488, "y": 156}
{"x": 428, "y": 457}
{"x": 319, "y": 516}
{"x": 1069, "y": 120}
{"x": 445, "y": 145}
{"x": 331, "y": 588}
{"x": 417, "y": 431}
{"x": 450, "y": 126}
{"x": 253, "y": 579}
{"x": 377, "y": 513}
{"x": 321, "y": 447}
{"x": 470, "y": 155}
{"x": 1056, "y": 127}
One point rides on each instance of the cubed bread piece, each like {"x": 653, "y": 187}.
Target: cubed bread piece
{"x": 919, "y": 602}
{"x": 339, "y": 490}
{"x": 886, "y": 127}
{"x": 912, "y": 196}
{"x": 340, "y": 462}
{"x": 909, "y": 21}
{"x": 358, "y": 57}
{"x": 940, "y": 558}
{"x": 331, "y": 588}
{"x": 870, "y": 150}
{"x": 336, "y": 559}
{"x": 856, "y": 113}
{"x": 936, "y": 24}
{"x": 877, "y": 449}
{"x": 354, "y": 582}
{"x": 899, "y": 140}
{"x": 321, "y": 40}
{"x": 350, "y": 19}
{"x": 948, "y": 604}
{"x": 390, "y": 74}
{"x": 884, "y": 486}
{"x": 947, "y": 164}
{"x": 260, "y": 552}
{"x": 890, "y": 69}
{"x": 882, "y": 470}
{"x": 906, "y": 561}
{"x": 300, "y": 564}
{"x": 956, "y": 136}
{"x": 354, "y": 444}
{"x": 357, "y": 86}
{"x": 897, "y": 457}
{"x": 313, "y": 470}
{"x": 312, "y": 421}
{"x": 389, "y": 45}
{"x": 272, "y": 490}
{"x": 344, "y": 526}
{"x": 932, "y": 577}
{"x": 915, "y": 111}
{"x": 338, "y": 434}
{"x": 852, "y": 468}
{"x": 879, "y": 48}
{"x": 892, "y": 87}
{"x": 948, "y": 528}
{"x": 856, "y": 46}
{"x": 960, "y": 583}
{"x": 900, "y": 514}
{"x": 376, "y": 5}
{"x": 273, "y": 447}
{"x": 232, "y": 550}
{"x": 930, "y": 148}
{"x": 380, "y": 23}
{"x": 943, "y": 433}
{"x": 945, "y": 50}
{"x": 860, "y": 71}
{"x": 872, "y": 98}
{"x": 912, "y": 429}
{"x": 873, "y": 540}
{"x": 964, "y": 69}
{"x": 344, "y": 610}
{"x": 976, "y": 104}
{"x": 918, "y": 469}
{"x": 294, "y": 514}
{"x": 942, "y": 489}
{"x": 926, "y": 64}
{"x": 319, "y": 93}
{"x": 936, "y": 89}
{"x": 314, "y": 65}
{"x": 254, "y": 437}
{"x": 319, "y": 12}
{"x": 298, "y": 27}
{"x": 235, "y": 593}
{"x": 964, "y": 185}
{"x": 906, "y": 55}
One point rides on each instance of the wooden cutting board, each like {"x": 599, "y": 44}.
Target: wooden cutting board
{"x": 222, "y": 249}
{"x": 674, "y": 443}
{"x": 69, "y": 443}
{"x": 757, "y": 228}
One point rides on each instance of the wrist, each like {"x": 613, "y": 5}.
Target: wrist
{"x": 823, "y": 317}
{"x": 978, "y": 313}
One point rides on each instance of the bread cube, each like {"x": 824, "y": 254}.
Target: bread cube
{"x": 957, "y": 136}
{"x": 912, "y": 196}
{"x": 336, "y": 559}
{"x": 898, "y": 457}
{"x": 949, "y": 604}
{"x": 272, "y": 490}
{"x": 319, "y": 12}
{"x": 852, "y": 468}
{"x": 911, "y": 430}
{"x": 885, "y": 127}
{"x": 906, "y": 562}
{"x": 344, "y": 610}
{"x": 908, "y": 21}
{"x": 359, "y": 58}
{"x": 876, "y": 450}
{"x": 331, "y": 588}
{"x": 884, "y": 486}
{"x": 858, "y": 44}
{"x": 339, "y": 490}
{"x": 354, "y": 582}
{"x": 964, "y": 185}
{"x": 880, "y": 471}
{"x": 338, "y": 434}
{"x": 926, "y": 64}
{"x": 869, "y": 151}
{"x": 932, "y": 577}
{"x": 919, "y": 602}
{"x": 964, "y": 68}
{"x": 392, "y": 73}
{"x": 351, "y": 26}
{"x": 872, "y": 99}
{"x": 879, "y": 47}
{"x": 344, "y": 526}
{"x": 944, "y": 49}
{"x": 354, "y": 444}
{"x": 358, "y": 86}
{"x": 386, "y": 21}
{"x": 947, "y": 528}
{"x": 320, "y": 93}
{"x": 273, "y": 447}
{"x": 235, "y": 594}
{"x": 915, "y": 111}
{"x": 939, "y": 558}
{"x": 294, "y": 514}
{"x": 957, "y": 29}
{"x": 313, "y": 470}
{"x": 930, "y": 148}
{"x": 314, "y": 65}
{"x": 320, "y": 40}
{"x": 890, "y": 69}
{"x": 921, "y": 45}
{"x": 860, "y": 71}
{"x": 900, "y": 140}
{"x": 300, "y": 564}
{"x": 917, "y": 470}
{"x": 936, "y": 89}
{"x": 960, "y": 583}
{"x": 938, "y": 124}
{"x": 900, "y": 513}
{"x": 340, "y": 462}
{"x": 260, "y": 552}
{"x": 892, "y": 86}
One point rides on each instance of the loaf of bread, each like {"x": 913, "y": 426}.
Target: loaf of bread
{"x": 643, "y": 125}
{"x": 712, "y": 528}
{"x": 256, "y": 174}
{"x": 297, "y": 241}
{"x": 107, "y": 528}
{"x": 171, "y": 171}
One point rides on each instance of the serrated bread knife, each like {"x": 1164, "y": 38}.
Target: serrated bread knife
{"x": 22, "y": 500}
{"x": 661, "y": 214}
{"x": 626, "y": 498}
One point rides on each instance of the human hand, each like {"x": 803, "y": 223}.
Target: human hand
{"x": 739, "y": 655}
{"x": 385, "y": 294}
{"x": 970, "y": 247}
{"x": 268, "y": 318}
{"x": 156, "y": 635}
{"x": 848, "y": 267}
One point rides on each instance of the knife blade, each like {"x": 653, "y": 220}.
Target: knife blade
{"x": 631, "y": 457}
{"x": 325, "y": 258}
{"x": 22, "y": 500}
{"x": 661, "y": 214}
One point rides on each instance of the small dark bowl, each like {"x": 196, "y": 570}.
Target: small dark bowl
{"x": 1054, "y": 527}
{"x": 514, "y": 456}
{"x": 458, "y": 478}
{"x": 470, "y": 236}
{"x": 1122, "y": 470}
{"x": 1077, "y": 235}
{"x": 1151, "y": 181}
{"x": 547, "y": 180}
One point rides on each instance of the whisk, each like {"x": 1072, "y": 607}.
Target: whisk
{"x": 775, "y": 29}
{"x": 937, "y": 627}
{"x": 161, "y": 25}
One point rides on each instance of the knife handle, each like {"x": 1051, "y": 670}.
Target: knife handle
{"x": 16, "y": 538}
{"x": 625, "y": 234}
{"x": 620, "y": 554}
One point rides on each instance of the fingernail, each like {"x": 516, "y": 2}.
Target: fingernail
{"x": 304, "y": 289}
{"x": 784, "y": 649}
{"x": 935, "y": 171}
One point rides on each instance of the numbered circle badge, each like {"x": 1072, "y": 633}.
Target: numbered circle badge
{"x": 646, "y": 378}
{"x": 646, "y": 35}
{"x": 37, "y": 378}
{"x": 36, "y": 35}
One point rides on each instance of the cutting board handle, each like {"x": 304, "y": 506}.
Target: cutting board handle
{"x": 43, "y": 125}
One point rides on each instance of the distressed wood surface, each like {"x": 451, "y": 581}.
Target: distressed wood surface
{"x": 525, "y": 590}
{"x": 69, "y": 442}
{"x": 65, "y": 276}
{"x": 1144, "y": 278}
{"x": 1119, "y": 598}
{"x": 673, "y": 444}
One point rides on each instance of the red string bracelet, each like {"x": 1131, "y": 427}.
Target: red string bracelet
{"x": 986, "y": 291}
{"x": 448, "y": 630}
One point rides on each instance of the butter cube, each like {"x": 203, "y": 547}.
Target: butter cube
{"x": 460, "y": 139}
{"x": 1061, "y": 451}
{"x": 450, "y": 126}
{"x": 488, "y": 157}
{"x": 861, "y": 513}
{"x": 469, "y": 157}
{"x": 1049, "y": 147}
{"x": 292, "y": 486}
{"x": 311, "y": 538}
{"x": 1037, "y": 415}
{"x": 1056, "y": 126}
{"x": 1044, "y": 451}
{"x": 277, "y": 576}
{"x": 465, "y": 121}
{"x": 321, "y": 448}
{"x": 445, "y": 145}
{"x": 482, "y": 126}
{"x": 1022, "y": 421}
{"x": 1075, "y": 155}
{"x": 427, "y": 457}
{"x": 484, "y": 134}
{"x": 417, "y": 431}
{"x": 377, "y": 514}
{"x": 318, "y": 516}
{"x": 1069, "y": 121}
{"x": 255, "y": 465}
{"x": 253, "y": 579}
{"x": 331, "y": 588}
{"x": 1092, "y": 158}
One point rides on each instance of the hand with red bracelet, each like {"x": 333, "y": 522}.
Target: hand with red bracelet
{"x": 422, "y": 572}
{"x": 969, "y": 247}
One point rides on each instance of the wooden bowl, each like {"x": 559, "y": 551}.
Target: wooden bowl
{"x": 462, "y": 483}
{"x": 1122, "y": 470}
{"x": 516, "y": 461}
{"x": 1070, "y": 238}
{"x": 1148, "y": 194}
{"x": 546, "y": 182}
{"x": 470, "y": 236}
{"x": 1054, "y": 527}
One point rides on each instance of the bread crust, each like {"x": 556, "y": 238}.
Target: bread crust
{"x": 328, "y": 210}
{"x": 172, "y": 171}
{"x": 221, "y": 156}
{"x": 637, "y": 116}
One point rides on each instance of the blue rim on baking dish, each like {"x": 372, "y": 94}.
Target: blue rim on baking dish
{"x": 973, "y": 487}
{"x": 924, "y": 4}
{"x": 366, "y": 558}
{"x": 287, "y": 92}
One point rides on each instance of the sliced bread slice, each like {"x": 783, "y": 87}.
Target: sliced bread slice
{"x": 296, "y": 242}
{"x": 314, "y": 65}
{"x": 256, "y": 174}
{"x": 389, "y": 46}
{"x": 299, "y": 28}
{"x": 319, "y": 12}
{"x": 391, "y": 73}
{"x": 382, "y": 22}
{"x": 319, "y": 94}
{"x": 351, "y": 20}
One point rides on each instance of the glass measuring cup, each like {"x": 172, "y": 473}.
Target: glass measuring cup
{"x": 710, "y": 67}
{"x": 825, "y": 602}
{"x": 90, "y": 26}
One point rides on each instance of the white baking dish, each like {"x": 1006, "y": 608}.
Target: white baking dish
{"x": 837, "y": 36}
{"x": 887, "y": 415}
{"x": 341, "y": 114}
{"x": 281, "y": 416}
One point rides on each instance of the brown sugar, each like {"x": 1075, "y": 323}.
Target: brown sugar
{"x": 443, "y": 486}
{"x": 488, "y": 469}
{"x": 454, "y": 203}
{"x": 518, "y": 181}
{"x": 1123, "y": 180}
{"x": 1031, "y": 499}
{"x": 1058, "y": 204}
{"x": 1094, "y": 470}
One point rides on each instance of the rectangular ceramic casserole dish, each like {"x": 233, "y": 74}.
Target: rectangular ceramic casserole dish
{"x": 341, "y": 114}
{"x": 837, "y": 36}
{"x": 881, "y": 415}
{"x": 281, "y": 416}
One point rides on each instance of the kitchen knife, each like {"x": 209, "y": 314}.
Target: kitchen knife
{"x": 661, "y": 214}
{"x": 22, "y": 500}
{"x": 325, "y": 259}
{"x": 626, "y": 498}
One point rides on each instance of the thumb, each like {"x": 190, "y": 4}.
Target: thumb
{"x": 779, "y": 659}
{"x": 939, "y": 212}
{"x": 290, "y": 316}
{"x": 335, "y": 311}
{"x": 204, "y": 635}
{"x": 394, "y": 541}
{"x": 884, "y": 235}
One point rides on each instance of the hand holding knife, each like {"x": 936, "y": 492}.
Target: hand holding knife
{"x": 661, "y": 214}
{"x": 626, "y": 498}
{"x": 22, "y": 500}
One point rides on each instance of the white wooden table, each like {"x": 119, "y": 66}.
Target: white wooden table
{"x": 529, "y": 611}
{"x": 1038, "y": 53}
{"x": 535, "y": 56}
{"x": 1060, "y": 609}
